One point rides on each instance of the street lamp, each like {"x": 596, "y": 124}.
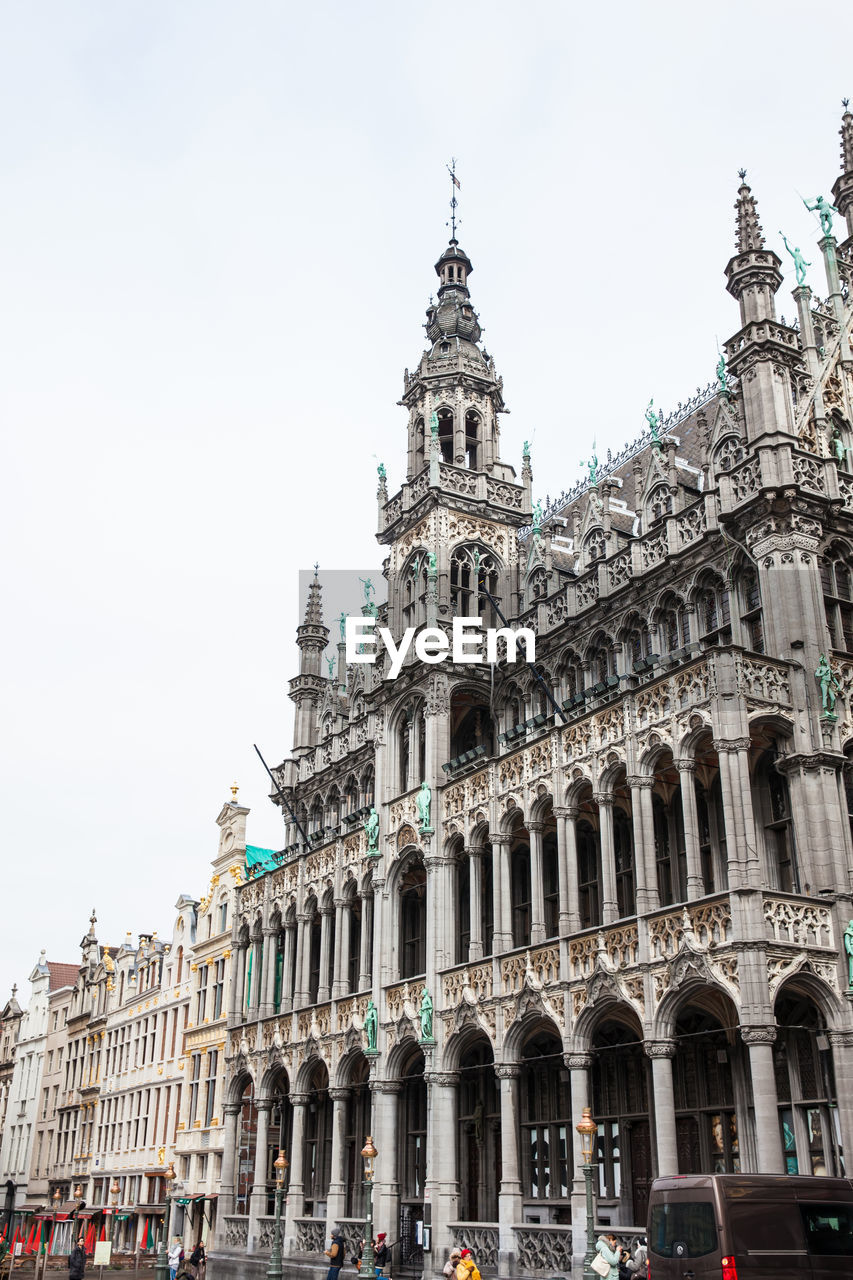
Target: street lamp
{"x": 57, "y": 1201}
{"x": 587, "y": 1130}
{"x": 115, "y": 1192}
{"x": 78, "y": 1200}
{"x": 368, "y": 1258}
{"x": 161, "y": 1269}
{"x": 274, "y": 1269}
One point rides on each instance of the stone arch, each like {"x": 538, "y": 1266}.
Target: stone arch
{"x": 349, "y": 1065}
{"x": 237, "y": 1085}
{"x": 609, "y": 1006}
{"x": 274, "y": 1082}
{"x": 697, "y": 988}
{"x": 525, "y": 1029}
{"x": 807, "y": 984}
{"x": 461, "y": 1041}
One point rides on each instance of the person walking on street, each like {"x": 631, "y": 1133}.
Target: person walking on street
{"x": 335, "y": 1254}
{"x": 77, "y": 1260}
{"x": 381, "y": 1253}
{"x": 198, "y": 1261}
{"x": 608, "y": 1249}
{"x": 452, "y": 1263}
{"x": 467, "y": 1268}
{"x": 176, "y": 1252}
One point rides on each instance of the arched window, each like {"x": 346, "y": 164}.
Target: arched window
{"x": 673, "y": 625}
{"x": 414, "y": 590}
{"x": 805, "y": 1088}
{"x": 712, "y": 610}
{"x": 472, "y": 439}
{"x": 623, "y": 849}
{"x": 445, "y": 434}
{"x": 620, "y": 1099}
{"x": 571, "y": 673}
{"x": 463, "y": 907}
{"x": 520, "y": 887}
{"x": 706, "y": 1126}
{"x": 413, "y": 921}
{"x": 594, "y": 546}
{"x": 315, "y": 820}
{"x": 601, "y": 660}
{"x": 318, "y": 1140}
{"x": 546, "y": 1123}
{"x": 420, "y": 445}
{"x": 589, "y": 874}
{"x": 314, "y": 938}
{"x": 659, "y": 503}
{"x": 246, "y": 1143}
{"x": 471, "y": 723}
{"x": 350, "y": 796}
{"x": 471, "y": 569}
{"x": 358, "y": 1124}
{"x": 774, "y": 803}
{"x": 487, "y": 906}
{"x": 367, "y": 782}
{"x": 728, "y": 453}
{"x": 636, "y": 641}
{"x": 750, "y": 605}
{"x": 478, "y": 1135}
{"x": 537, "y": 585}
{"x": 835, "y": 579}
{"x": 550, "y": 882}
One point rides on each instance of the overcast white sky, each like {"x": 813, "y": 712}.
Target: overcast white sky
{"x": 218, "y": 230}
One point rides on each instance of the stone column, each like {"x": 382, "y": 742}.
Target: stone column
{"x": 365, "y": 958}
{"x": 646, "y": 901}
{"x": 690, "y": 820}
{"x": 662, "y": 1053}
{"x": 502, "y": 908}
{"x": 303, "y": 945}
{"x": 768, "y": 1138}
{"x": 442, "y": 1180}
{"x": 475, "y": 944}
{"x": 336, "y": 1201}
{"x": 323, "y": 991}
{"x": 343, "y": 923}
{"x": 510, "y": 1197}
{"x": 570, "y": 915}
{"x": 537, "y": 898}
{"x": 842, "y": 1061}
{"x": 267, "y": 1002}
{"x": 609, "y": 909}
{"x": 258, "y": 1202}
{"x": 389, "y": 1142}
{"x": 257, "y": 945}
{"x": 287, "y": 968}
{"x": 741, "y": 847}
{"x": 238, "y": 982}
{"x": 295, "y": 1204}
{"x": 229, "y": 1156}
{"x": 579, "y": 1065}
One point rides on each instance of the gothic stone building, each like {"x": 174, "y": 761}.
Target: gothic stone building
{"x": 635, "y": 902}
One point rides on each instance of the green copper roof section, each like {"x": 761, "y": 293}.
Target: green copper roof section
{"x": 258, "y": 860}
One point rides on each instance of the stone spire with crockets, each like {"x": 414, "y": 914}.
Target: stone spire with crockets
{"x": 753, "y": 275}
{"x": 842, "y": 191}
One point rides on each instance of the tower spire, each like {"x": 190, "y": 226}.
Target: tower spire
{"x": 455, "y": 185}
{"x": 842, "y": 191}
{"x": 314, "y": 607}
{"x": 749, "y": 233}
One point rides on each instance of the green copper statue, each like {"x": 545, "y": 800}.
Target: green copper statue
{"x": 432, "y": 565}
{"x": 848, "y": 947}
{"x": 593, "y": 468}
{"x": 525, "y": 449}
{"x": 537, "y": 517}
{"x": 433, "y": 425}
{"x": 331, "y": 665}
{"x": 829, "y": 685}
{"x": 342, "y": 623}
{"x": 426, "y": 1015}
{"x": 824, "y": 211}
{"x": 415, "y": 567}
{"x": 381, "y": 472}
{"x": 423, "y": 801}
{"x": 654, "y": 422}
{"x": 371, "y": 1026}
{"x": 800, "y": 263}
{"x": 371, "y": 826}
{"x": 722, "y": 377}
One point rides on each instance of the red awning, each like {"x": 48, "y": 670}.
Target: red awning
{"x": 215, "y": 1196}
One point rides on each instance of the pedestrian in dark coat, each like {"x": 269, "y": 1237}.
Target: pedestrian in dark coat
{"x": 335, "y": 1254}
{"x": 77, "y": 1260}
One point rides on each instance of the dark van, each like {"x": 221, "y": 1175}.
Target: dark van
{"x": 750, "y": 1226}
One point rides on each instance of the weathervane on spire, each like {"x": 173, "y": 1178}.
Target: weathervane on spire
{"x": 456, "y": 185}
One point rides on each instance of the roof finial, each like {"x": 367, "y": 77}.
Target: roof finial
{"x": 455, "y": 185}
{"x": 846, "y": 138}
{"x": 749, "y": 233}
{"x": 314, "y": 607}
{"x": 234, "y": 790}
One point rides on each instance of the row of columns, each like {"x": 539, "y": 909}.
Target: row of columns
{"x": 335, "y": 936}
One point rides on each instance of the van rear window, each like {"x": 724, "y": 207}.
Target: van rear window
{"x": 683, "y": 1229}
{"x": 829, "y": 1229}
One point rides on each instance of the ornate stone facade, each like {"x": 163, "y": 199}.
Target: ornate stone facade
{"x": 635, "y": 888}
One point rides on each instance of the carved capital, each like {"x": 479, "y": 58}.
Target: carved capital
{"x": 639, "y": 781}
{"x": 339, "y": 1095}
{"x": 603, "y": 799}
{"x": 385, "y": 1086}
{"x": 270, "y": 931}
{"x": 233, "y": 1108}
{"x": 538, "y": 827}
{"x": 264, "y": 1104}
{"x": 327, "y": 911}
{"x": 473, "y": 850}
{"x": 579, "y": 1061}
{"x": 443, "y": 1079}
{"x": 685, "y": 766}
{"x": 499, "y": 837}
{"x": 562, "y": 810}
{"x": 507, "y": 1070}
{"x": 758, "y": 1035}
{"x": 841, "y": 1039}
{"x": 299, "y": 1099}
{"x": 659, "y": 1048}
{"x": 731, "y": 744}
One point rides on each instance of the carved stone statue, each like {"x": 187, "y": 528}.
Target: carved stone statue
{"x": 371, "y": 1026}
{"x": 371, "y": 826}
{"x": 426, "y": 1016}
{"x": 423, "y": 802}
{"x": 829, "y": 685}
{"x": 654, "y": 421}
{"x": 800, "y": 263}
{"x": 824, "y": 211}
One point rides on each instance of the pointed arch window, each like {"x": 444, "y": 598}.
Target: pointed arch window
{"x": 728, "y": 453}
{"x": 751, "y": 615}
{"x": 413, "y": 921}
{"x": 673, "y": 625}
{"x": 712, "y": 611}
{"x": 835, "y": 578}
{"x": 420, "y": 445}
{"x": 445, "y": 434}
{"x": 472, "y": 568}
{"x": 594, "y": 546}
{"x": 414, "y": 590}
{"x": 659, "y": 503}
{"x": 472, "y": 439}
{"x": 589, "y": 874}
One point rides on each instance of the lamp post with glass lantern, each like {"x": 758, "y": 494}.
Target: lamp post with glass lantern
{"x": 274, "y": 1269}
{"x": 115, "y": 1192}
{"x": 368, "y": 1257}
{"x": 587, "y": 1130}
{"x": 161, "y": 1269}
{"x": 78, "y": 1202}
{"x": 57, "y": 1201}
